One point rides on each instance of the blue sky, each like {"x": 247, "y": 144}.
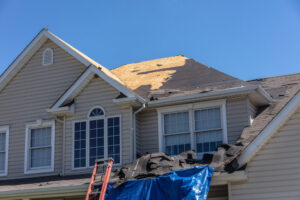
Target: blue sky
{"x": 246, "y": 39}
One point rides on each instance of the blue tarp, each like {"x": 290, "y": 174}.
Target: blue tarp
{"x": 182, "y": 184}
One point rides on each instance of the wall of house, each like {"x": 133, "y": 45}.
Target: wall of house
{"x": 26, "y": 98}
{"x": 237, "y": 110}
{"x": 147, "y": 133}
{"x": 274, "y": 172}
{"x": 237, "y": 114}
{"x": 98, "y": 93}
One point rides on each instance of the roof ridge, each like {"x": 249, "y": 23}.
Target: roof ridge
{"x": 268, "y": 77}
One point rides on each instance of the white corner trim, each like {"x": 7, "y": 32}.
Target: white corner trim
{"x": 191, "y": 107}
{"x": 5, "y": 129}
{"x": 33, "y": 125}
{"x": 269, "y": 130}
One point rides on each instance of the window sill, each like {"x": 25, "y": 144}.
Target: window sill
{"x": 91, "y": 167}
{"x": 3, "y": 173}
{"x": 36, "y": 171}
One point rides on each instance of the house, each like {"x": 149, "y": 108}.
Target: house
{"x": 60, "y": 110}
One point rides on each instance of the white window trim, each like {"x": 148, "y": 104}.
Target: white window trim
{"x": 87, "y": 126}
{"x": 39, "y": 124}
{"x": 47, "y": 49}
{"x": 88, "y": 116}
{"x": 190, "y": 108}
{"x": 6, "y": 130}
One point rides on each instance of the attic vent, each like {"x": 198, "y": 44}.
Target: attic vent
{"x": 48, "y": 57}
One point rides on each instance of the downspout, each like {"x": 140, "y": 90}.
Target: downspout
{"x": 134, "y": 128}
{"x": 63, "y": 149}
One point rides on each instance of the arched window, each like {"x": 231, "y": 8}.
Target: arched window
{"x": 97, "y": 137}
{"x": 96, "y": 112}
{"x": 48, "y": 57}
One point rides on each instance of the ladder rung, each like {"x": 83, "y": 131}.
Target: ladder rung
{"x": 95, "y": 193}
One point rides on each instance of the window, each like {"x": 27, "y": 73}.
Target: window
{"x": 48, "y": 57}
{"x": 96, "y": 112}
{"x": 208, "y": 130}
{"x": 96, "y": 130}
{"x": 113, "y": 139}
{"x": 80, "y": 144}
{"x": 96, "y": 138}
{"x": 39, "y": 152}
{"x": 176, "y": 131}
{"x": 201, "y": 127}
{"x": 4, "y": 133}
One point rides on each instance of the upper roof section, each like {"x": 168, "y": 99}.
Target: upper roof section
{"x": 173, "y": 76}
{"x": 167, "y": 79}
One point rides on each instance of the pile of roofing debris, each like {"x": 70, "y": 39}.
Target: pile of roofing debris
{"x": 156, "y": 164}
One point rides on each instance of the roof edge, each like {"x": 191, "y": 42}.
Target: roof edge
{"x": 288, "y": 110}
{"x": 213, "y": 94}
{"x": 83, "y": 80}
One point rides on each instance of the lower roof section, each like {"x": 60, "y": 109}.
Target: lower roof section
{"x": 76, "y": 185}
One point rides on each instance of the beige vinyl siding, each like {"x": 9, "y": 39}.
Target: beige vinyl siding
{"x": 252, "y": 109}
{"x": 138, "y": 136}
{"x": 26, "y": 98}
{"x": 274, "y": 172}
{"x": 147, "y": 132}
{"x": 237, "y": 118}
{"x": 218, "y": 193}
{"x": 98, "y": 93}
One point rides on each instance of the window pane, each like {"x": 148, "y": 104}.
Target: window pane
{"x": 113, "y": 139}
{"x": 176, "y": 122}
{"x": 207, "y": 119}
{"x": 41, "y": 137}
{"x": 80, "y": 144}
{"x": 2, "y": 161}
{"x": 2, "y": 142}
{"x": 96, "y": 140}
{"x": 208, "y": 142}
{"x": 177, "y": 144}
{"x": 41, "y": 157}
{"x": 96, "y": 112}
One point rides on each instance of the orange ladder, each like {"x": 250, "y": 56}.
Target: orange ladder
{"x": 92, "y": 187}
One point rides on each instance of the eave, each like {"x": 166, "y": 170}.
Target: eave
{"x": 219, "y": 178}
{"x": 256, "y": 93}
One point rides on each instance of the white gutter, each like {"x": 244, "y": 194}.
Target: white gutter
{"x": 134, "y": 128}
{"x": 46, "y": 192}
{"x": 62, "y": 110}
{"x": 213, "y": 94}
